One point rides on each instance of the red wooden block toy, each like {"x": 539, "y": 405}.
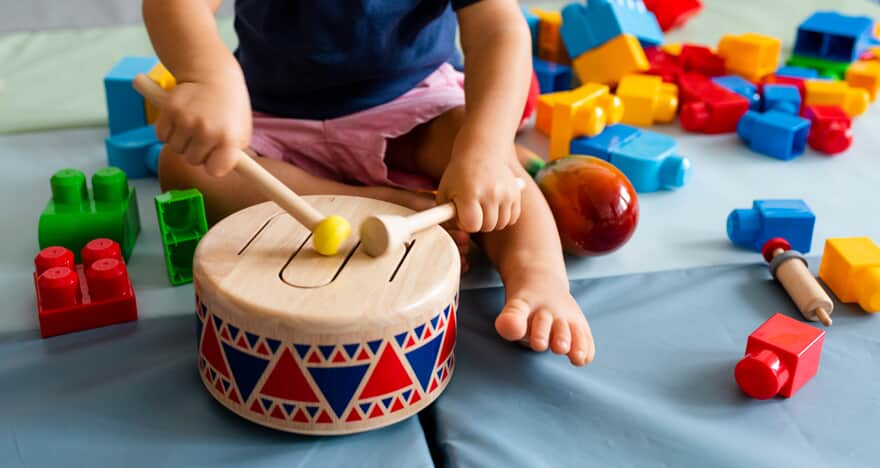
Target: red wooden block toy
{"x": 781, "y": 356}
{"x": 830, "y": 130}
{"x": 78, "y": 297}
{"x": 708, "y": 107}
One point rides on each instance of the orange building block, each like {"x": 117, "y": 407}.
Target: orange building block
{"x": 853, "y": 101}
{"x": 751, "y": 56}
{"x": 544, "y": 113}
{"x": 647, "y": 98}
{"x": 550, "y": 44}
{"x": 166, "y": 80}
{"x": 582, "y": 112}
{"x": 611, "y": 61}
{"x": 865, "y": 75}
{"x": 851, "y": 268}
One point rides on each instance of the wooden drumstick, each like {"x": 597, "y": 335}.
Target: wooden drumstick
{"x": 382, "y": 232}
{"x": 328, "y": 233}
{"x": 790, "y": 268}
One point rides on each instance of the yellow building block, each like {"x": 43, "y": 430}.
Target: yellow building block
{"x": 851, "y": 268}
{"x": 672, "y": 49}
{"x": 751, "y": 56}
{"x": 646, "y": 98}
{"x": 166, "y": 80}
{"x": 853, "y": 101}
{"x": 582, "y": 112}
{"x": 550, "y": 44}
{"x": 865, "y": 75}
{"x": 611, "y": 61}
{"x": 544, "y": 112}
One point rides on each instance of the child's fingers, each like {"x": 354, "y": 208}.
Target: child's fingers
{"x": 200, "y": 148}
{"x": 470, "y": 215}
{"x": 515, "y": 211}
{"x": 179, "y": 141}
{"x": 503, "y": 216}
{"x": 490, "y": 217}
{"x": 222, "y": 160}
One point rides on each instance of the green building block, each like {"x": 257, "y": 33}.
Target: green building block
{"x": 74, "y": 216}
{"x": 182, "y": 223}
{"x": 826, "y": 68}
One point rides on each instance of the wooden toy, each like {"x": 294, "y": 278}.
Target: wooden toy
{"x": 830, "y": 129}
{"x": 385, "y": 233}
{"x": 782, "y": 98}
{"x": 323, "y": 345}
{"x": 776, "y": 134}
{"x": 182, "y": 223}
{"x": 74, "y": 297}
{"x": 135, "y": 151}
{"x": 589, "y": 25}
{"x": 792, "y": 220}
{"x": 789, "y": 267}
{"x": 673, "y": 13}
{"x": 595, "y": 206}
{"x": 865, "y": 75}
{"x": 611, "y": 61}
{"x": 328, "y": 233}
{"x": 851, "y": 268}
{"x": 707, "y": 107}
{"x": 647, "y": 98}
{"x": 833, "y": 36}
{"x": 550, "y": 44}
{"x": 741, "y": 86}
{"x": 750, "y": 55}
{"x": 853, "y": 101}
{"x": 74, "y": 216}
{"x": 585, "y": 111}
{"x": 781, "y": 356}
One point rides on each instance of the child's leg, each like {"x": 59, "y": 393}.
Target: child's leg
{"x": 528, "y": 255}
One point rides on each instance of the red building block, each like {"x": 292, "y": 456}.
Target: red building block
{"x": 663, "y": 64}
{"x": 781, "y": 356}
{"x": 708, "y": 107}
{"x": 701, "y": 59}
{"x": 673, "y": 13}
{"x": 531, "y": 100}
{"x": 830, "y": 130}
{"x": 78, "y": 297}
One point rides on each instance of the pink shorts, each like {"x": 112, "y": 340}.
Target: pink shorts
{"x": 351, "y": 149}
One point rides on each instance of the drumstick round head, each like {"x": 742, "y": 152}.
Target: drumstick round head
{"x": 329, "y": 234}
{"x": 379, "y": 233}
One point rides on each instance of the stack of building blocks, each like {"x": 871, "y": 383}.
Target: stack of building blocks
{"x": 791, "y": 220}
{"x": 647, "y": 99}
{"x": 851, "y": 269}
{"x": 550, "y": 45}
{"x": 182, "y": 223}
{"x": 750, "y": 55}
{"x": 782, "y": 98}
{"x": 583, "y": 111}
{"x": 780, "y": 135}
{"x": 707, "y": 107}
{"x": 74, "y": 215}
{"x": 673, "y": 13}
{"x": 741, "y": 86}
{"x": 125, "y": 107}
{"x": 781, "y": 356}
{"x": 648, "y": 159}
{"x": 74, "y": 297}
{"x": 853, "y": 101}
{"x": 830, "y": 129}
{"x": 552, "y": 77}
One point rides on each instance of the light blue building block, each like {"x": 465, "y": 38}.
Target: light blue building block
{"x": 782, "y": 98}
{"x": 797, "y": 72}
{"x": 647, "y": 158}
{"x": 552, "y": 76}
{"x": 136, "y": 152}
{"x": 832, "y": 36}
{"x": 741, "y": 86}
{"x": 125, "y": 107}
{"x": 587, "y": 26}
{"x": 534, "y": 23}
{"x": 775, "y": 134}
{"x": 792, "y": 220}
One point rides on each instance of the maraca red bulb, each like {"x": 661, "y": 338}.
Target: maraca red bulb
{"x": 594, "y": 204}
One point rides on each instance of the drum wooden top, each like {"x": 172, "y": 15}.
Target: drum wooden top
{"x": 260, "y": 264}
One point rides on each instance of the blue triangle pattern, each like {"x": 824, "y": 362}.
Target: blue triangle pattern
{"x": 267, "y": 403}
{"x": 312, "y": 410}
{"x": 387, "y": 402}
{"x": 374, "y": 345}
{"x": 217, "y": 321}
{"x": 338, "y": 384}
{"x": 422, "y": 360}
{"x": 246, "y": 369}
{"x": 288, "y": 408}
{"x": 273, "y": 344}
{"x": 213, "y": 374}
{"x": 418, "y": 331}
{"x": 232, "y": 329}
{"x": 326, "y": 350}
{"x": 406, "y": 395}
{"x": 252, "y": 339}
{"x": 199, "y": 327}
{"x": 351, "y": 349}
{"x": 226, "y": 384}
{"x": 446, "y": 312}
{"x": 434, "y": 321}
{"x": 400, "y": 338}
{"x": 365, "y": 407}
{"x": 302, "y": 350}
{"x": 439, "y": 371}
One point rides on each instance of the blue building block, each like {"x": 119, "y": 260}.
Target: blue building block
{"x": 782, "y": 98}
{"x": 552, "y": 76}
{"x": 775, "y": 134}
{"x": 790, "y": 219}
{"x": 534, "y": 23}
{"x": 585, "y": 27}
{"x": 741, "y": 86}
{"x": 797, "y": 72}
{"x": 136, "y": 152}
{"x": 647, "y": 158}
{"x": 832, "y": 36}
{"x": 125, "y": 107}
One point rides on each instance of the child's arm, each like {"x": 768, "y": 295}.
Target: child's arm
{"x": 207, "y": 117}
{"x": 497, "y": 49}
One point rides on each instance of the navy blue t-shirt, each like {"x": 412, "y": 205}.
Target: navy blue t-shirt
{"x": 322, "y": 59}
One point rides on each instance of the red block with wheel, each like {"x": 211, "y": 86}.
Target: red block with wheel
{"x": 708, "y": 107}
{"x": 830, "y": 130}
{"x": 781, "y": 356}
{"x": 79, "y": 297}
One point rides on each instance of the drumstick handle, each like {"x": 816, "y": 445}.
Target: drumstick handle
{"x": 439, "y": 214}
{"x": 268, "y": 184}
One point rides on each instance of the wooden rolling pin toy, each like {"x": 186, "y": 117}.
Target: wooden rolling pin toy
{"x": 328, "y": 233}
{"x": 789, "y": 267}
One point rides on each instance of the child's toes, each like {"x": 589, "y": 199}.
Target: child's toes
{"x": 582, "y": 347}
{"x": 513, "y": 321}
{"x": 560, "y": 337}
{"x": 539, "y": 331}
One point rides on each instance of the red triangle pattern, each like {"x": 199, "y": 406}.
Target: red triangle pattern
{"x": 427, "y": 333}
{"x": 353, "y": 415}
{"x": 233, "y": 395}
{"x": 398, "y": 405}
{"x": 256, "y": 408}
{"x": 415, "y": 397}
{"x": 433, "y": 385}
{"x": 314, "y": 358}
{"x": 225, "y": 334}
{"x": 300, "y": 416}
{"x": 211, "y": 351}
{"x": 241, "y": 343}
{"x": 219, "y": 387}
{"x": 277, "y": 413}
{"x": 263, "y": 349}
{"x": 449, "y": 339}
{"x": 363, "y": 355}
{"x": 338, "y": 357}
{"x": 377, "y": 412}
{"x": 411, "y": 342}
{"x": 288, "y": 382}
{"x": 324, "y": 418}
{"x": 388, "y": 376}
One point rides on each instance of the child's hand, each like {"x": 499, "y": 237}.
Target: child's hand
{"x": 207, "y": 122}
{"x": 483, "y": 186}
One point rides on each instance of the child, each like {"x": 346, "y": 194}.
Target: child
{"x": 357, "y": 97}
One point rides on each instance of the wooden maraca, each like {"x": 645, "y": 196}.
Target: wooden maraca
{"x": 789, "y": 267}
{"x": 328, "y": 233}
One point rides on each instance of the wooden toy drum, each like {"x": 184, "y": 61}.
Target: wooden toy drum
{"x": 304, "y": 343}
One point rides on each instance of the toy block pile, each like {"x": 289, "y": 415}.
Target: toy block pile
{"x": 132, "y": 144}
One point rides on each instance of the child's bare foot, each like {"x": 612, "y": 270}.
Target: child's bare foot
{"x": 541, "y": 312}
